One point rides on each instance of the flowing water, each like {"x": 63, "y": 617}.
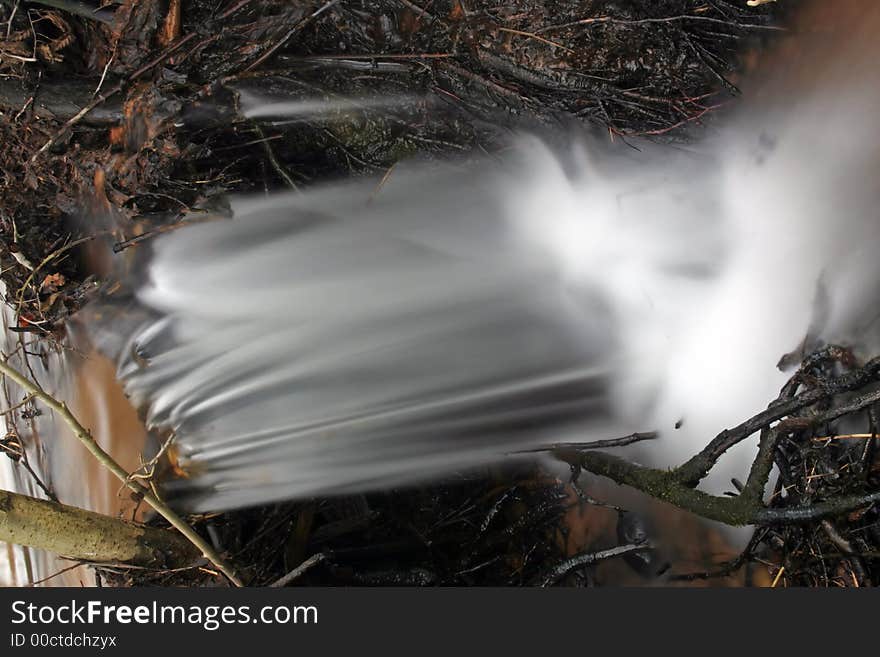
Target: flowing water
{"x": 364, "y": 334}
{"x": 360, "y": 335}
{"x": 57, "y": 460}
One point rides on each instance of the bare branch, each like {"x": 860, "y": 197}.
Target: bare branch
{"x": 85, "y": 437}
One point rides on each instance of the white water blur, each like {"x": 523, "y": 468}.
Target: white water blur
{"x": 259, "y": 106}
{"x": 340, "y": 340}
{"x": 361, "y": 335}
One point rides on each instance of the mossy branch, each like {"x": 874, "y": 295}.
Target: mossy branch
{"x": 678, "y": 486}
{"x": 88, "y": 536}
{"x": 744, "y": 509}
{"x": 696, "y": 469}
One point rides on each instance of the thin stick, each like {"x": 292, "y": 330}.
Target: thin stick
{"x": 296, "y": 28}
{"x": 300, "y": 570}
{"x": 382, "y": 182}
{"x": 415, "y": 55}
{"x": 532, "y": 35}
{"x": 598, "y": 20}
{"x": 587, "y": 558}
{"x": 85, "y": 437}
{"x": 778, "y": 577}
{"x": 23, "y": 402}
{"x": 595, "y": 444}
{"x": 57, "y": 573}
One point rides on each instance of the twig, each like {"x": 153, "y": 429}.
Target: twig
{"x": 857, "y": 404}
{"x": 728, "y": 568}
{"x": 85, "y": 437}
{"x": 299, "y": 571}
{"x": 847, "y": 436}
{"x": 846, "y": 547}
{"x": 759, "y": 473}
{"x": 104, "y": 75}
{"x": 273, "y": 160}
{"x": 376, "y": 56}
{"x": 600, "y": 20}
{"x": 417, "y": 10}
{"x": 23, "y": 402}
{"x": 777, "y": 578}
{"x": 744, "y": 509}
{"x": 57, "y": 573}
{"x": 595, "y": 444}
{"x": 11, "y": 16}
{"x": 234, "y": 8}
{"x": 811, "y": 512}
{"x": 560, "y": 570}
{"x": 296, "y": 28}
{"x": 532, "y": 35}
{"x": 695, "y": 469}
{"x": 381, "y": 184}
{"x": 137, "y": 239}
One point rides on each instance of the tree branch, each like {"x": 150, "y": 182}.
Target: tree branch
{"x": 696, "y": 469}
{"x": 85, "y": 437}
{"x": 88, "y": 536}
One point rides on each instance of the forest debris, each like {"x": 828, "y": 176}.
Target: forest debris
{"x": 52, "y": 283}
{"x": 106, "y": 460}
{"x": 470, "y": 74}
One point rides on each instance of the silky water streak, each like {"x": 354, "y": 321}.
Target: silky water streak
{"x": 357, "y": 336}
{"x": 340, "y": 340}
